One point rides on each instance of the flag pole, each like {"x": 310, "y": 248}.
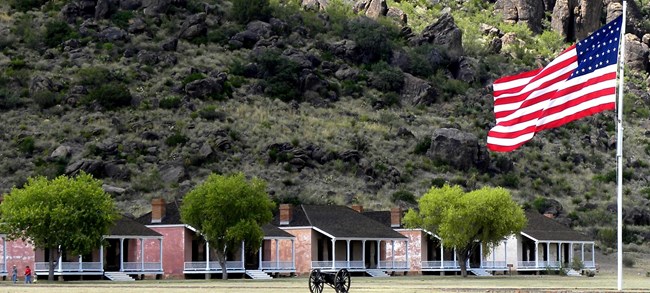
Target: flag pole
{"x": 619, "y": 154}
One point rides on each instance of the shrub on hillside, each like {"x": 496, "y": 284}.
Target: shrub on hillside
{"x": 281, "y": 76}
{"x": 57, "y": 32}
{"x": 373, "y": 39}
{"x": 45, "y": 99}
{"x": 245, "y": 11}
{"x": 171, "y": 102}
{"x": 386, "y": 78}
{"x": 26, "y": 5}
{"x": 176, "y": 139}
{"x": 404, "y": 196}
{"x": 94, "y": 76}
{"x": 110, "y": 96}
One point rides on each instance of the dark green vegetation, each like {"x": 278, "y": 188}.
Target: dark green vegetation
{"x": 152, "y": 103}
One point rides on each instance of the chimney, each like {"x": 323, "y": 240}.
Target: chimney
{"x": 285, "y": 213}
{"x": 358, "y": 208}
{"x": 396, "y": 217}
{"x": 158, "y": 206}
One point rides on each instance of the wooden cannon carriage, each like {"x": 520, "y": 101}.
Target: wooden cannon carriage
{"x": 340, "y": 281}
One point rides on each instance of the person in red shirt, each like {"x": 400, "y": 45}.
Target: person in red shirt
{"x": 28, "y": 275}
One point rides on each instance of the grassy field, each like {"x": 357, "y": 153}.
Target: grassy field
{"x": 633, "y": 282}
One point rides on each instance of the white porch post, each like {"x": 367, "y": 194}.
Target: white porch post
{"x": 363, "y": 253}
{"x": 60, "y": 258}
{"x": 243, "y": 255}
{"x": 548, "y": 254}
{"x": 207, "y": 255}
{"x": 142, "y": 254}
{"x": 121, "y": 252}
{"x": 536, "y": 255}
{"x": 293, "y": 255}
{"x": 505, "y": 250}
{"x": 347, "y": 253}
{"x": 101, "y": 257}
{"x": 392, "y": 253}
{"x": 442, "y": 255}
{"x": 582, "y": 248}
{"x": 333, "y": 254}
{"x": 161, "y": 253}
{"x": 80, "y": 266}
{"x": 259, "y": 267}
{"x": 277, "y": 255}
{"x": 480, "y": 251}
{"x": 570, "y": 253}
{"x": 455, "y": 260}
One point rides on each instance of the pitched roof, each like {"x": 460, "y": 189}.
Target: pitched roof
{"x": 339, "y": 222}
{"x": 125, "y": 226}
{"x": 379, "y": 216}
{"x": 172, "y": 216}
{"x": 543, "y": 228}
{"x": 275, "y": 232}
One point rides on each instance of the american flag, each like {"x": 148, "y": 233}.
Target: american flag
{"x": 578, "y": 83}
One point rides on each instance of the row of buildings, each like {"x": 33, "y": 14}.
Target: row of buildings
{"x": 302, "y": 238}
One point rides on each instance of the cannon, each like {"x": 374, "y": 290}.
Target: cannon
{"x": 340, "y": 281}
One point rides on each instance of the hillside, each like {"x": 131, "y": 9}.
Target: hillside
{"x": 369, "y": 102}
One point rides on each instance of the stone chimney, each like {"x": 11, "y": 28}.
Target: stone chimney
{"x": 286, "y": 211}
{"x": 396, "y": 217}
{"x": 358, "y": 208}
{"x": 158, "y": 206}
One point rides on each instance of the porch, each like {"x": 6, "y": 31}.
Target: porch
{"x": 357, "y": 255}
{"x": 274, "y": 255}
{"x": 554, "y": 255}
{"x": 203, "y": 261}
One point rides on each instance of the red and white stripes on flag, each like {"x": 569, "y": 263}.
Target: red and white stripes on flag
{"x": 578, "y": 83}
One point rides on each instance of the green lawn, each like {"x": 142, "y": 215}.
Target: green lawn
{"x": 409, "y": 284}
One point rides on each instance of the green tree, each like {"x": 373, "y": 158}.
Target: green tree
{"x": 72, "y": 214}
{"x": 466, "y": 220}
{"x": 227, "y": 210}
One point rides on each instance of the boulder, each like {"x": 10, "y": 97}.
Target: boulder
{"x": 155, "y": 7}
{"x": 170, "y": 44}
{"x": 444, "y": 33}
{"x": 636, "y": 53}
{"x": 194, "y": 26}
{"x": 205, "y": 151}
{"x": 93, "y": 167}
{"x": 458, "y": 149}
{"x": 376, "y": 8}
{"x": 112, "y": 34}
{"x": 637, "y": 216}
{"x": 530, "y": 12}
{"x": 70, "y": 12}
{"x": 60, "y": 153}
{"x": 116, "y": 171}
{"x": 576, "y": 19}
{"x": 467, "y": 69}
{"x": 147, "y": 58}
{"x": 102, "y": 9}
{"x": 172, "y": 174}
{"x": 114, "y": 190}
{"x": 417, "y": 91}
{"x": 397, "y": 14}
{"x": 203, "y": 88}
{"x": 130, "y": 4}
{"x": 137, "y": 25}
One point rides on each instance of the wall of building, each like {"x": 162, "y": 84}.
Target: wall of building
{"x": 304, "y": 240}
{"x": 177, "y": 245}
{"x": 416, "y": 249}
{"x": 20, "y": 254}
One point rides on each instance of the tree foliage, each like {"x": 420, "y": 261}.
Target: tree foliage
{"x": 227, "y": 210}
{"x": 465, "y": 220}
{"x": 71, "y": 213}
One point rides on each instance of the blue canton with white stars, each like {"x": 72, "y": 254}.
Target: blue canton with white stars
{"x": 600, "y": 49}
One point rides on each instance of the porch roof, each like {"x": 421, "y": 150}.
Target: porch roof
{"x": 542, "y": 228}
{"x": 273, "y": 231}
{"x": 339, "y": 222}
{"x": 125, "y": 226}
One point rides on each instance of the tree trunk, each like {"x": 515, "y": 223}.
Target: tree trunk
{"x": 462, "y": 257}
{"x": 50, "y": 276}
{"x": 222, "y": 261}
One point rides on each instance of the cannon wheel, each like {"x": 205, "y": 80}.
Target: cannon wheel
{"x": 315, "y": 282}
{"x": 342, "y": 281}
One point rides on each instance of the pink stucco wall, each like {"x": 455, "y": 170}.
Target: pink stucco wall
{"x": 417, "y": 241}
{"x": 19, "y": 253}
{"x": 303, "y": 244}
{"x": 151, "y": 250}
{"x": 177, "y": 248}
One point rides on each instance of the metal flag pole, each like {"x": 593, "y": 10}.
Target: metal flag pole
{"x": 619, "y": 153}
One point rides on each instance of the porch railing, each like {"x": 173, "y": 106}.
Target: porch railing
{"x": 141, "y": 267}
{"x": 281, "y": 265}
{"x": 214, "y": 266}
{"x": 389, "y": 264}
{"x": 489, "y": 264}
{"x": 589, "y": 264}
{"x": 339, "y": 264}
{"x": 526, "y": 264}
{"x": 436, "y": 264}
{"x": 71, "y": 266}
